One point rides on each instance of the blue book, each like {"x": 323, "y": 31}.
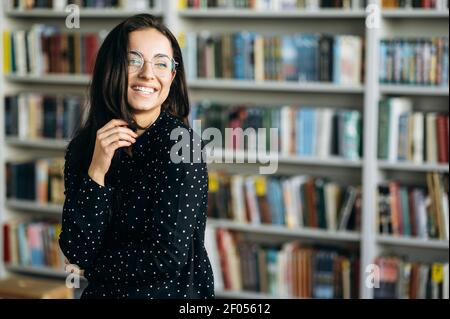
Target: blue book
{"x": 272, "y": 270}
{"x": 275, "y": 197}
{"x": 382, "y": 61}
{"x": 323, "y": 287}
{"x": 289, "y": 58}
{"x": 444, "y": 72}
{"x": 405, "y": 211}
{"x": 23, "y": 245}
{"x": 403, "y": 137}
{"x": 248, "y": 39}
{"x": 239, "y": 64}
{"x": 336, "y": 60}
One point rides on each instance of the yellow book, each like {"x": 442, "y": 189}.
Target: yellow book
{"x": 182, "y": 4}
{"x": 6, "y": 52}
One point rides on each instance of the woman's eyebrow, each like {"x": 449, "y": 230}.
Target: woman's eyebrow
{"x": 161, "y": 55}
{"x": 157, "y": 55}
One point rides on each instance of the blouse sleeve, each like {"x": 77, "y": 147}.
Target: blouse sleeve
{"x": 181, "y": 196}
{"x": 85, "y": 215}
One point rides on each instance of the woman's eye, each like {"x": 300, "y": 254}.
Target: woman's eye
{"x": 135, "y": 62}
{"x": 161, "y": 65}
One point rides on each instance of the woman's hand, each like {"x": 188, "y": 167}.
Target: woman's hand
{"x": 110, "y": 137}
{"x": 73, "y": 269}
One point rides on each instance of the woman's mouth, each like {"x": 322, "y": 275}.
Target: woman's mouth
{"x": 144, "y": 90}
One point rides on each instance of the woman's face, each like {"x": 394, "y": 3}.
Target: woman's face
{"x": 147, "y": 91}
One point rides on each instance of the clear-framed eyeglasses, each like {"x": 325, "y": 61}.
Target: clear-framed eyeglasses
{"x": 162, "y": 65}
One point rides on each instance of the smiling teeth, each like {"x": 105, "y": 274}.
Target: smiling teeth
{"x": 144, "y": 89}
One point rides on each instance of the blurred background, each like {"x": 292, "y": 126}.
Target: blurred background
{"x": 358, "y": 93}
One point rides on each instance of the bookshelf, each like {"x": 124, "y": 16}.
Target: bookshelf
{"x": 213, "y": 13}
{"x": 84, "y": 13}
{"x": 369, "y": 170}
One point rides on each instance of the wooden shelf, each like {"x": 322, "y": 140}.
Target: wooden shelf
{"x": 407, "y": 166}
{"x": 101, "y": 13}
{"x": 342, "y": 236}
{"x": 413, "y": 242}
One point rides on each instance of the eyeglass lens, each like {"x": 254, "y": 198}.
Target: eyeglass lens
{"x": 162, "y": 66}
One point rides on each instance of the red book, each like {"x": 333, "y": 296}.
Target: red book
{"x": 442, "y": 136}
{"x": 412, "y": 213}
{"x": 396, "y": 209}
{"x": 91, "y": 47}
{"x": 221, "y": 246}
{"x": 6, "y": 244}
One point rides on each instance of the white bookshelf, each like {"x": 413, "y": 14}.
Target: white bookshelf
{"x": 413, "y": 90}
{"x": 319, "y": 234}
{"x": 217, "y": 84}
{"x": 414, "y": 242}
{"x": 272, "y": 86}
{"x": 213, "y": 13}
{"x": 225, "y": 154}
{"x": 54, "y": 79}
{"x": 40, "y": 271}
{"x": 34, "y": 207}
{"x": 3, "y": 216}
{"x": 228, "y": 294}
{"x": 41, "y": 143}
{"x": 415, "y": 14}
{"x": 369, "y": 167}
{"x": 84, "y": 13}
{"x": 405, "y": 166}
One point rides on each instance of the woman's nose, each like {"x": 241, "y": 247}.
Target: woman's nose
{"x": 147, "y": 71}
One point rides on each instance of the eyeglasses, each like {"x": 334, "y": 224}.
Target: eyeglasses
{"x": 162, "y": 65}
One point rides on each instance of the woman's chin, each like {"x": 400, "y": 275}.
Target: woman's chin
{"x": 143, "y": 107}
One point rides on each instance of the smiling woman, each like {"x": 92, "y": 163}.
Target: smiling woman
{"x": 134, "y": 221}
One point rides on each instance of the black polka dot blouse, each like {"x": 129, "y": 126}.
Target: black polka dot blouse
{"x": 142, "y": 234}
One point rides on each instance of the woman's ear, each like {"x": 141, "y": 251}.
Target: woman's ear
{"x": 174, "y": 73}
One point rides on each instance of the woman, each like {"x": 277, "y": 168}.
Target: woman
{"x": 133, "y": 219}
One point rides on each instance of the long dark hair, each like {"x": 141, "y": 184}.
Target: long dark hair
{"x": 108, "y": 89}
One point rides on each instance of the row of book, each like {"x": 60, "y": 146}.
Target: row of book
{"x": 402, "y": 279}
{"x": 45, "y": 49}
{"x": 33, "y": 115}
{"x": 290, "y": 270}
{"x": 425, "y": 4}
{"x": 293, "y": 202}
{"x": 415, "y": 211}
{"x": 405, "y": 135}
{"x": 420, "y": 61}
{"x": 273, "y": 4}
{"x": 303, "y": 131}
{"x": 253, "y": 56}
{"x": 32, "y": 243}
{"x": 40, "y": 180}
{"x": 99, "y": 4}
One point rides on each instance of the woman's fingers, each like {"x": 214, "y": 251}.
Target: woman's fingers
{"x": 117, "y": 144}
{"x": 116, "y": 134}
{"x": 111, "y": 124}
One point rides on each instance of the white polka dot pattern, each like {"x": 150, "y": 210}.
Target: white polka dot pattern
{"x": 151, "y": 243}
